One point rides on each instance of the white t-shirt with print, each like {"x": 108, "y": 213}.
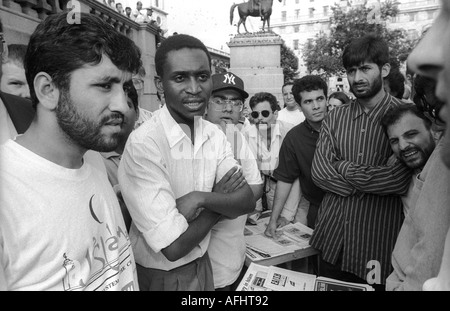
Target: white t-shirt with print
{"x": 61, "y": 229}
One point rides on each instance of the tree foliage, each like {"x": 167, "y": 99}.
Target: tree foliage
{"x": 324, "y": 52}
{"x": 289, "y": 63}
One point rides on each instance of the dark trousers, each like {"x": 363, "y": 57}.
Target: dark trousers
{"x": 329, "y": 270}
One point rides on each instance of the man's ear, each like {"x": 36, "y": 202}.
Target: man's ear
{"x": 385, "y": 70}
{"x": 158, "y": 83}
{"x": 46, "y": 91}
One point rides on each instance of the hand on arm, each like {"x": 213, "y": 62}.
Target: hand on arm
{"x": 323, "y": 173}
{"x": 192, "y": 237}
{"x": 381, "y": 180}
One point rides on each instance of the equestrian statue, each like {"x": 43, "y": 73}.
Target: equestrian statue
{"x": 254, "y": 8}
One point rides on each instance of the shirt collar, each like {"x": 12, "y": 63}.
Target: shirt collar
{"x": 175, "y": 133}
{"x": 376, "y": 113}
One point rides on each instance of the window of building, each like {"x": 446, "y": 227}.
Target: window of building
{"x": 412, "y": 17}
{"x": 296, "y": 28}
{"x": 297, "y": 1}
{"x": 297, "y": 14}
{"x": 283, "y": 16}
{"x": 311, "y": 12}
{"x": 157, "y": 3}
{"x": 325, "y": 10}
{"x": 295, "y": 44}
{"x": 282, "y": 30}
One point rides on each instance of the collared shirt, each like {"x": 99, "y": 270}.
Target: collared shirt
{"x": 159, "y": 165}
{"x": 361, "y": 213}
{"x": 112, "y": 161}
{"x": 419, "y": 247}
{"x": 295, "y": 161}
{"x": 267, "y": 157}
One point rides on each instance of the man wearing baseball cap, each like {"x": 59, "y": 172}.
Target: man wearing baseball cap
{"x": 227, "y": 244}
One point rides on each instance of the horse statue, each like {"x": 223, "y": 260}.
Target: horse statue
{"x": 255, "y": 8}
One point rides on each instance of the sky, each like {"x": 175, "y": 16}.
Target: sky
{"x": 208, "y": 20}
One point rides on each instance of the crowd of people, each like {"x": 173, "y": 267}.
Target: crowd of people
{"x": 138, "y": 14}
{"x": 98, "y": 194}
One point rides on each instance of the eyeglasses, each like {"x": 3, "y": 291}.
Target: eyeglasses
{"x": 264, "y": 113}
{"x": 220, "y": 103}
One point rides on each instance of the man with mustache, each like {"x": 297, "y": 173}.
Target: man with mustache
{"x": 178, "y": 175}
{"x": 61, "y": 226}
{"x": 411, "y": 138}
{"x": 265, "y": 138}
{"x": 418, "y": 250}
{"x": 431, "y": 59}
{"x": 361, "y": 213}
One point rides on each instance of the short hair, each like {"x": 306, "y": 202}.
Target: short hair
{"x": 128, "y": 8}
{"x": 262, "y": 97}
{"x": 59, "y": 48}
{"x": 340, "y": 96}
{"x": 286, "y": 84}
{"x": 133, "y": 95}
{"x": 175, "y": 43}
{"x": 117, "y": 4}
{"x": 16, "y": 53}
{"x": 396, "y": 82}
{"x": 308, "y": 83}
{"x": 394, "y": 114}
{"x": 369, "y": 48}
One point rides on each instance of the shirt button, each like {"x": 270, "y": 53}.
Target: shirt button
{"x": 360, "y": 155}
{"x": 363, "y": 130}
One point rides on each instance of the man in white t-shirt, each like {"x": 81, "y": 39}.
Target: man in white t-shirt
{"x": 178, "y": 175}
{"x": 291, "y": 113}
{"x": 61, "y": 226}
{"x": 227, "y": 244}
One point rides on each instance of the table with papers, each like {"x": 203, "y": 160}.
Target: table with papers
{"x": 292, "y": 244}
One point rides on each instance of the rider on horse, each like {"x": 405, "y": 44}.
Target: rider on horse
{"x": 256, "y": 5}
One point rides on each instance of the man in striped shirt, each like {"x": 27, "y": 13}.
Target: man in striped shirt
{"x": 361, "y": 213}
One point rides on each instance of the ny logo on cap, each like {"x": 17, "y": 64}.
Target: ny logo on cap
{"x": 229, "y": 79}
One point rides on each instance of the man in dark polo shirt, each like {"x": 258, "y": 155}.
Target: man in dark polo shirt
{"x": 297, "y": 151}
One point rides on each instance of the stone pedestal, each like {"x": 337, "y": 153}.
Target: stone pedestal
{"x": 256, "y": 58}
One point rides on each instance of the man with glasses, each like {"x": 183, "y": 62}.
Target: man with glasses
{"x": 227, "y": 245}
{"x": 16, "y": 113}
{"x": 265, "y": 138}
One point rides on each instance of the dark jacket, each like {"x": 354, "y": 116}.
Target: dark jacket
{"x": 20, "y": 111}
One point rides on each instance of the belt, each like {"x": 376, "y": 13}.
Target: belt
{"x": 270, "y": 178}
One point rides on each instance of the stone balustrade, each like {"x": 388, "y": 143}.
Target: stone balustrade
{"x": 20, "y": 18}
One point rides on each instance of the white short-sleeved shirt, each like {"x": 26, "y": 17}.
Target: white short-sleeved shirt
{"x": 227, "y": 245}
{"x": 293, "y": 117}
{"x": 159, "y": 165}
{"x": 267, "y": 158}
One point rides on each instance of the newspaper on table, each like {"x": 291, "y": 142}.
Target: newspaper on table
{"x": 293, "y": 237}
{"x": 262, "y": 278}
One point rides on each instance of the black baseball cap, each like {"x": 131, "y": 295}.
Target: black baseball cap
{"x": 228, "y": 80}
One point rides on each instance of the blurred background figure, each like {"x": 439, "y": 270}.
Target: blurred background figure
{"x": 138, "y": 83}
{"x": 394, "y": 83}
{"x": 425, "y": 98}
{"x": 337, "y": 99}
{"x": 13, "y": 80}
